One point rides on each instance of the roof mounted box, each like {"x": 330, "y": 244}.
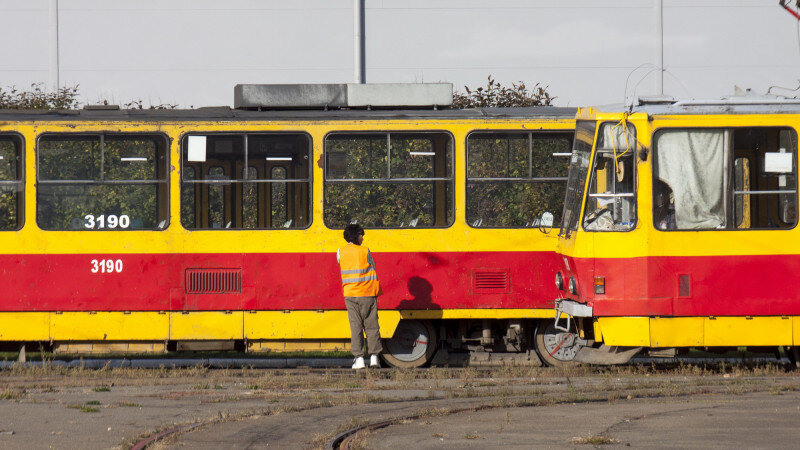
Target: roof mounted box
{"x": 338, "y": 96}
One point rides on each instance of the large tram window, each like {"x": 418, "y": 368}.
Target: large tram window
{"x": 389, "y": 180}
{"x": 689, "y": 179}
{"x": 516, "y": 179}
{"x": 102, "y": 182}
{"x": 611, "y": 200}
{"x": 11, "y": 183}
{"x": 738, "y": 178}
{"x": 246, "y": 181}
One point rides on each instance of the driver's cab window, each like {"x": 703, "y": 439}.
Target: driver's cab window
{"x": 611, "y": 199}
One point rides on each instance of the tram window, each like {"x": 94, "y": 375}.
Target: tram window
{"x": 690, "y": 165}
{"x": 516, "y": 179}
{"x": 388, "y": 180}
{"x": 239, "y": 181}
{"x": 102, "y": 182}
{"x": 765, "y": 178}
{"x": 11, "y": 183}
{"x": 611, "y": 201}
{"x": 696, "y": 163}
{"x": 279, "y": 204}
{"x": 741, "y": 203}
{"x": 216, "y": 199}
{"x": 250, "y": 200}
{"x": 188, "y": 199}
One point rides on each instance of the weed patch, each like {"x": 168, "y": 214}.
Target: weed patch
{"x": 593, "y": 440}
{"x": 84, "y": 408}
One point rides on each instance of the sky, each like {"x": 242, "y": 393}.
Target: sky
{"x": 587, "y": 52}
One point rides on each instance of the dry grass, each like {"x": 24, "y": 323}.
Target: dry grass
{"x": 11, "y": 394}
{"x": 593, "y": 440}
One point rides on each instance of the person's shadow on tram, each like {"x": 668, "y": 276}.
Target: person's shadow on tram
{"x": 420, "y": 290}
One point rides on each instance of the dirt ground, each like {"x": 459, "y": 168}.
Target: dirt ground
{"x": 62, "y": 407}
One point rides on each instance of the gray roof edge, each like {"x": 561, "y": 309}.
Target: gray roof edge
{"x": 737, "y": 104}
{"x": 228, "y": 114}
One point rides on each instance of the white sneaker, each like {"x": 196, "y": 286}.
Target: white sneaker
{"x": 359, "y": 363}
{"x": 373, "y": 361}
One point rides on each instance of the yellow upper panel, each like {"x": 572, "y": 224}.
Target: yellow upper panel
{"x": 317, "y": 238}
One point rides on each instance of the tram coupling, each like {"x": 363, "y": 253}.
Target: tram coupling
{"x": 585, "y": 350}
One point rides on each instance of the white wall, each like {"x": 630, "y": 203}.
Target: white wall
{"x": 192, "y": 52}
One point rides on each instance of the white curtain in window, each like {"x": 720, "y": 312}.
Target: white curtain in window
{"x": 615, "y": 136}
{"x": 691, "y": 162}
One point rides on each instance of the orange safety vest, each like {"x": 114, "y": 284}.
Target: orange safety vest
{"x": 359, "y": 278}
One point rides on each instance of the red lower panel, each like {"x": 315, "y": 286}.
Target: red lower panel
{"x": 271, "y": 281}
{"x": 712, "y": 285}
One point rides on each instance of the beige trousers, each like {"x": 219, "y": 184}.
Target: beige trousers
{"x": 363, "y": 315}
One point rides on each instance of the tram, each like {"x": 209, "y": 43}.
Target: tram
{"x": 679, "y": 230}
{"x": 216, "y": 228}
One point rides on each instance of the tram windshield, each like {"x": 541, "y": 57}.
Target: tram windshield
{"x": 578, "y": 169}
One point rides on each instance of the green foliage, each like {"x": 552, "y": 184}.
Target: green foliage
{"x": 139, "y": 104}
{"x": 497, "y": 95}
{"x": 383, "y": 205}
{"x": 8, "y": 208}
{"x": 39, "y": 98}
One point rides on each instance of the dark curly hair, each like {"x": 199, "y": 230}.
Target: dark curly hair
{"x": 352, "y": 232}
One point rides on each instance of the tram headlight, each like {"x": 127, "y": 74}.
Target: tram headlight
{"x": 559, "y": 281}
{"x": 573, "y": 286}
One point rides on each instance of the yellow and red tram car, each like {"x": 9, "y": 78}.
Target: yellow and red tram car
{"x": 143, "y": 230}
{"x": 680, "y": 228}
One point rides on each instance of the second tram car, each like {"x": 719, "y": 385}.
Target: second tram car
{"x": 212, "y": 228}
{"x": 680, "y": 229}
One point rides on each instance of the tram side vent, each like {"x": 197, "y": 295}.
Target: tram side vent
{"x": 213, "y": 281}
{"x": 490, "y": 281}
{"x": 684, "y": 286}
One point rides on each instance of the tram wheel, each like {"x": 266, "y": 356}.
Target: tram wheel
{"x": 413, "y": 344}
{"x": 556, "y": 347}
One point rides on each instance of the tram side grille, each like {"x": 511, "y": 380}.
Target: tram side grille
{"x": 213, "y": 281}
{"x": 494, "y": 281}
{"x": 684, "y": 286}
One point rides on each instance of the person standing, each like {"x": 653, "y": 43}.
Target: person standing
{"x": 361, "y": 290}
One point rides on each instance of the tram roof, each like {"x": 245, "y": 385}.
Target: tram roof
{"x": 230, "y": 114}
{"x": 745, "y": 104}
